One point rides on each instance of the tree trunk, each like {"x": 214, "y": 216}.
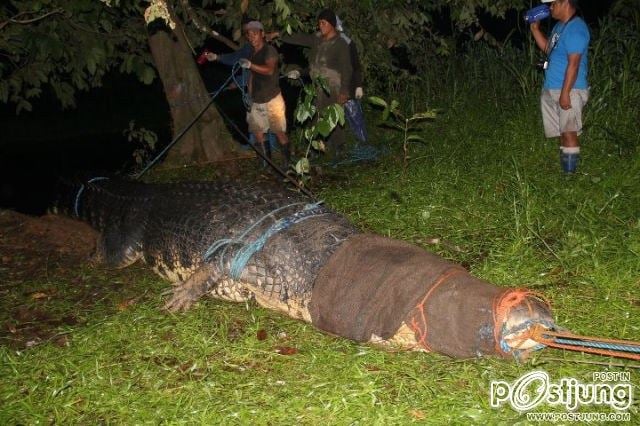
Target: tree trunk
{"x": 209, "y": 139}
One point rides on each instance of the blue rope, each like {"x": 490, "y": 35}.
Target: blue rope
{"x": 242, "y": 84}
{"x": 81, "y": 190}
{"x": 244, "y": 254}
{"x": 599, "y": 345}
{"x": 361, "y": 152}
{"x": 186, "y": 128}
{"x": 228, "y": 241}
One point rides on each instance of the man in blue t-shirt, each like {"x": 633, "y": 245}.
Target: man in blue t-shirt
{"x": 565, "y": 90}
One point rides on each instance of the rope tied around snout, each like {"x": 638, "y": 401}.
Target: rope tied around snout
{"x": 538, "y": 333}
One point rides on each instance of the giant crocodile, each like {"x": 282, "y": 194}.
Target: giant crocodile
{"x": 265, "y": 243}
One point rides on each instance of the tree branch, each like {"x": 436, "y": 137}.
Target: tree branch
{"x": 199, "y": 24}
{"x": 15, "y": 20}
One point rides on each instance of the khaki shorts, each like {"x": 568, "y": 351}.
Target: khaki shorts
{"x": 557, "y": 120}
{"x": 268, "y": 116}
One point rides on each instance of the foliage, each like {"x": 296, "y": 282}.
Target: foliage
{"x": 145, "y": 141}
{"x": 71, "y": 45}
{"x": 318, "y": 124}
{"x": 408, "y": 125}
{"x": 615, "y": 79}
{"x": 67, "y": 46}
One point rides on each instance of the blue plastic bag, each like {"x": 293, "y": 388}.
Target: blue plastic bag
{"x": 355, "y": 118}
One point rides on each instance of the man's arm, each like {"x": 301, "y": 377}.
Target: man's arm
{"x": 346, "y": 70}
{"x": 570, "y": 77}
{"x": 538, "y": 36}
{"x": 356, "y": 77}
{"x": 299, "y": 39}
{"x": 230, "y": 59}
{"x": 269, "y": 68}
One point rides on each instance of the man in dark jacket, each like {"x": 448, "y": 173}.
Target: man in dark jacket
{"x": 329, "y": 58}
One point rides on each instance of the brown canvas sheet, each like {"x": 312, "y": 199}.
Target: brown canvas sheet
{"x": 372, "y": 284}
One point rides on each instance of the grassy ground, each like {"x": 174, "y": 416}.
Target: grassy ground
{"x": 486, "y": 192}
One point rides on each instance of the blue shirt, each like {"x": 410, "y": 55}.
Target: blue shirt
{"x": 566, "y": 39}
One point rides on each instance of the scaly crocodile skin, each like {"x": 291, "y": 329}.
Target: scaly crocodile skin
{"x": 171, "y": 227}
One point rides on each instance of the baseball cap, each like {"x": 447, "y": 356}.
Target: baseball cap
{"x": 253, "y": 25}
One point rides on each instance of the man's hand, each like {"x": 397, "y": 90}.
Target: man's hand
{"x": 565, "y": 100}
{"x": 359, "y": 93}
{"x": 293, "y": 75}
{"x": 244, "y": 63}
{"x": 534, "y": 26}
{"x": 211, "y": 56}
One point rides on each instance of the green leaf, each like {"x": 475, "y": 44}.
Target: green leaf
{"x": 305, "y": 111}
{"x": 91, "y": 66}
{"x": 324, "y": 127}
{"x": 23, "y": 104}
{"x": 309, "y": 133}
{"x": 148, "y": 74}
{"x": 303, "y": 166}
{"x": 334, "y": 113}
{"x": 423, "y": 115}
{"x": 416, "y": 138}
{"x": 394, "y": 106}
{"x": 377, "y": 101}
{"x": 318, "y": 145}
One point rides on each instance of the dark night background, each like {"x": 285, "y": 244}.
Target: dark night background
{"x": 39, "y": 146}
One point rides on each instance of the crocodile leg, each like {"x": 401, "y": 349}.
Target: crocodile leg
{"x": 207, "y": 279}
{"x": 197, "y": 285}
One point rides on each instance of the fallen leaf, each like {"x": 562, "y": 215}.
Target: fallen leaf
{"x": 286, "y": 350}
{"x": 62, "y": 341}
{"x": 39, "y": 295}
{"x": 418, "y": 414}
{"x": 125, "y": 304}
{"x": 261, "y": 334}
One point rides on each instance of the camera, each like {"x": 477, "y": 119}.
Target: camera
{"x": 541, "y": 65}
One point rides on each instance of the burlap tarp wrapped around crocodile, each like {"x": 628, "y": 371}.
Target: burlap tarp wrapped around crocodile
{"x": 372, "y": 284}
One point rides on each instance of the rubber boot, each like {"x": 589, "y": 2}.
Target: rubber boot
{"x": 272, "y": 140}
{"x": 266, "y": 150}
{"x": 286, "y": 153}
{"x": 569, "y": 162}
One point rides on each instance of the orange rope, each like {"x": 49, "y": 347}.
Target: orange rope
{"x": 545, "y": 337}
{"x": 420, "y": 327}
{"x": 503, "y": 304}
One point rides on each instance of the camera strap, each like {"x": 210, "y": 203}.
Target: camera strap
{"x": 555, "y": 37}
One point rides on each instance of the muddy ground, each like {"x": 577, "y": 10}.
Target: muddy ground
{"x": 47, "y": 282}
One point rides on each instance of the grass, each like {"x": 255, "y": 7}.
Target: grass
{"x": 486, "y": 192}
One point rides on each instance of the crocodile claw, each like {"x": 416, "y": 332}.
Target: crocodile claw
{"x": 181, "y": 300}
